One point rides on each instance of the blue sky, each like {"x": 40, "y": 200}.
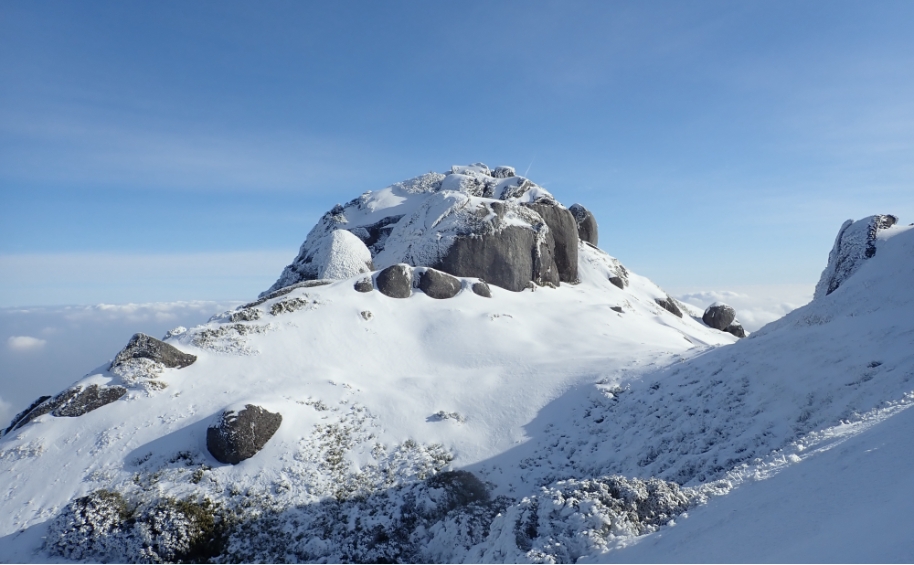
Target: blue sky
{"x": 155, "y": 151}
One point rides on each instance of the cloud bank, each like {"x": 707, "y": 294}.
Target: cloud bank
{"x": 24, "y": 343}
{"x": 755, "y": 305}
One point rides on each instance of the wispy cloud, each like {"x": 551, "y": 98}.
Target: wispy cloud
{"x": 24, "y": 343}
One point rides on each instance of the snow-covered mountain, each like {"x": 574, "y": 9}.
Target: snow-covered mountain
{"x": 451, "y": 370}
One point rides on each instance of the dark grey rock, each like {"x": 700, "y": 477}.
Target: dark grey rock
{"x": 364, "y": 285}
{"x": 22, "y": 415}
{"x": 669, "y": 305}
{"x": 239, "y": 436}
{"x": 503, "y": 172}
{"x": 88, "y": 399}
{"x": 565, "y": 236}
{"x": 587, "y": 224}
{"x": 736, "y": 329}
{"x": 616, "y": 309}
{"x": 719, "y": 316}
{"x": 245, "y": 315}
{"x": 395, "y": 281}
{"x": 482, "y": 289}
{"x": 70, "y": 403}
{"x": 618, "y": 281}
{"x": 144, "y": 346}
{"x": 509, "y": 259}
{"x": 438, "y": 285}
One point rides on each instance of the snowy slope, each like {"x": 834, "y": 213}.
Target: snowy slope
{"x": 583, "y": 408}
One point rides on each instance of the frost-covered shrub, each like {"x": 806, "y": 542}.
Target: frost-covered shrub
{"x": 102, "y": 527}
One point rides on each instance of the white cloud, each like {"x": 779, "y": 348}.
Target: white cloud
{"x": 755, "y": 305}
{"x": 24, "y": 343}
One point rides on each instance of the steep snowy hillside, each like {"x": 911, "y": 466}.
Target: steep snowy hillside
{"x": 383, "y": 402}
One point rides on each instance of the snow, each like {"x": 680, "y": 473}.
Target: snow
{"x": 584, "y": 409}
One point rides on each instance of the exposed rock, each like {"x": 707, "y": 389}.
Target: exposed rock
{"x": 587, "y": 224}
{"x": 364, "y": 285}
{"x": 366, "y": 315}
{"x": 719, "y": 316}
{"x": 239, "y": 436}
{"x": 616, "y": 309}
{"x": 21, "y": 416}
{"x": 509, "y": 259}
{"x": 564, "y": 231}
{"x": 245, "y": 315}
{"x": 856, "y": 242}
{"x": 395, "y": 281}
{"x": 618, "y": 281}
{"x": 89, "y": 399}
{"x": 436, "y": 284}
{"x": 71, "y": 403}
{"x": 482, "y": 289}
{"x": 419, "y": 221}
{"x": 736, "y": 329}
{"x": 669, "y": 305}
{"x": 144, "y": 346}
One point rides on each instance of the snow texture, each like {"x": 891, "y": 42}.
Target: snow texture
{"x": 551, "y": 425}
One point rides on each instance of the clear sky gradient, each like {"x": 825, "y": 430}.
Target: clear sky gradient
{"x": 182, "y": 150}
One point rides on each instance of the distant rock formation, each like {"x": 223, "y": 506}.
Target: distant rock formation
{"x": 241, "y": 435}
{"x": 856, "y": 242}
{"x": 669, "y": 305}
{"x": 142, "y": 346}
{"x": 470, "y": 222}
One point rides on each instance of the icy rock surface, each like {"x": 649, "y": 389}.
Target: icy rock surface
{"x": 856, "y": 242}
{"x": 470, "y": 222}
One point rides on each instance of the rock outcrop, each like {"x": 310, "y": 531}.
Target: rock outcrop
{"x": 436, "y": 284}
{"x": 564, "y": 232}
{"x": 241, "y": 435}
{"x": 364, "y": 285}
{"x": 719, "y": 316}
{"x": 395, "y": 281}
{"x": 587, "y": 224}
{"x": 855, "y": 243}
{"x": 469, "y": 222}
{"x": 70, "y": 403}
{"x": 142, "y": 346}
{"x": 736, "y": 329}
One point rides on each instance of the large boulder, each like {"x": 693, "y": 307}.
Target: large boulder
{"x": 436, "y": 284}
{"x": 70, "y": 403}
{"x": 240, "y": 435}
{"x": 856, "y": 242}
{"x": 482, "y": 289}
{"x": 587, "y": 224}
{"x": 509, "y": 259}
{"x": 564, "y": 232}
{"x": 395, "y": 281}
{"x": 142, "y": 346}
{"x": 719, "y": 316}
{"x": 736, "y": 329}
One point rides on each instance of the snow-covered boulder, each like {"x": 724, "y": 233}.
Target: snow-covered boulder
{"x": 719, "y": 316}
{"x": 856, "y": 242}
{"x": 142, "y": 346}
{"x": 363, "y": 285}
{"x": 587, "y": 224}
{"x": 470, "y": 222}
{"x": 239, "y": 435}
{"x": 395, "y": 281}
